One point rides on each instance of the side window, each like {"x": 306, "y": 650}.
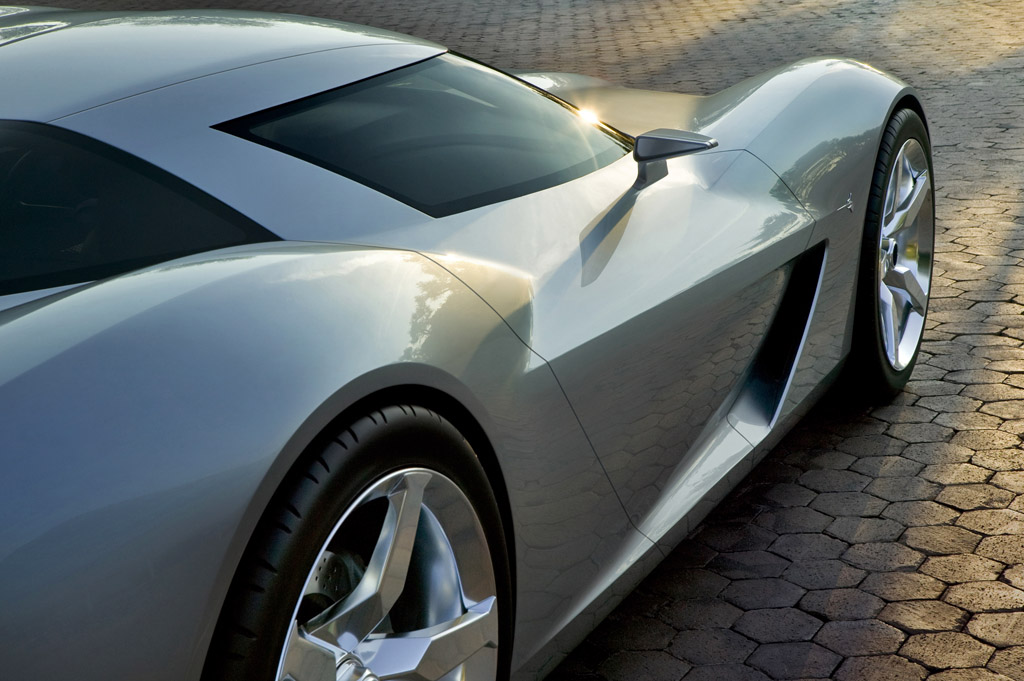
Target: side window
{"x": 443, "y": 136}
{"x": 73, "y": 209}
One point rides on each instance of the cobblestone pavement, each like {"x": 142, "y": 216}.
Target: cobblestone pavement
{"x": 873, "y": 545}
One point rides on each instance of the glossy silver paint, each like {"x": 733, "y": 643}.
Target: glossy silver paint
{"x": 602, "y": 335}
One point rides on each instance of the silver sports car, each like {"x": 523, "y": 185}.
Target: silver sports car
{"x": 328, "y": 354}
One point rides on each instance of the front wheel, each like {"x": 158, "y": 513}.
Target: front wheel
{"x": 894, "y": 281}
{"x": 381, "y": 558}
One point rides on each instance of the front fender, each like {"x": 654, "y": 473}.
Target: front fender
{"x": 148, "y": 419}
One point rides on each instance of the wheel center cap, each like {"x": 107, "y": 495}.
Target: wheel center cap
{"x": 351, "y": 668}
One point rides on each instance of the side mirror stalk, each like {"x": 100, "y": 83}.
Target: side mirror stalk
{"x": 651, "y": 149}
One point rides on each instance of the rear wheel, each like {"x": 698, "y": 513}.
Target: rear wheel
{"x": 381, "y": 558}
{"x": 896, "y": 261}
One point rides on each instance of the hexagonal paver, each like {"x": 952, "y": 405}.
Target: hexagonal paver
{"x": 902, "y": 586}
{"x": 651, "y": 665}
{"x": 880, "y": 668}
{"x": 1009, "y": 661}
{"x": 808, "y": 547}
{"x": 993, "y": 521}
{"x": 920, "y": 617}
{"x": 938, "y": 453}
{"x": 883, "y": 556}
{"x": 834, "y": 481}
{"x": 823, "y": 574}
{"x": 854, "y": 530}
{"x": 683, "y": 584}
{"x": 703, "y": 613}
{"x": 941, "y": 539}
{"x": 749, "y": 594}
{"x": 711, "y": 646}
{"x": 916, "y": 513}
{"x": 955, "y": 473}
{"x": 794, "y": 660}
{"x": 633, "y": 633}
{"x": 736, "y": 537}
{"x": 984, "y": 596}
{"x": 748, "y": 564}
{"x": 968, "y": 675}
{"x": 860, "y": 637}
{"x": 778, "y": 625}
{"x": 1006, "y": 549}
{"x": 975, "y": 497}
{"x": 964, "y": 568}
{"x": 720, "y": 672}
{"x": 842, "y": 604}
{"x": 1001, "y": 629}
{"x": 795, "y": 520}
{"x": 887, "y": 466}
{"x": 848, "y": 503}
{"x": 946, "y": 650}
{"x": 903, "y": 489}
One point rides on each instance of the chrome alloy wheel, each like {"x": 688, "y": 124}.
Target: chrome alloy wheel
{"x": 403, "y": 588}
{"x": 905, "y": 254}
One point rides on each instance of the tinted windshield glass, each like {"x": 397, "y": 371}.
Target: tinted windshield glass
{"x": 444, "y": 135}
{"x": 73, "y": 210}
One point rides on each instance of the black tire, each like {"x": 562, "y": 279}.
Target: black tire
{"x": 323, "y": 486}
{"x": 872, "y": 372}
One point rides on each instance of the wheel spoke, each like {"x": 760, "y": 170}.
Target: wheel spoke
{"x": 900, "y": 218}
{"x": 890, "y": 321}
{"x": 903, "y": 280}
{"x": 307, "y": 659}
{"x": 429, "y": 654}
{"x": 351, "y": 619}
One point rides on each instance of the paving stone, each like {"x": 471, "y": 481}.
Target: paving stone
{"x": 789, "y": 494}
{"x": 882, "y": 556}
{"x": 987, "y": 596}
{"x": 902, "y": 586}
{"x": 823, "y": 574}
{"x": 985, "y": 439}
{"x": 903, "y": 489}
{"x": 974, "y": 674}
{"x": 808, "y": 547}
{"x": 930, "y": 388}
{"x": 711, "y": 646}
{"x": 950, "y": 403}
{"x": 848, "y": 503}
{"x": 1015, "y": 576}
{"x": 1007, "y": 409}
{"x": 794, "y": 520}
{"x": 969, "y": 421}
{"x": 872, "y": 445}
{"x": 855, "y": 530}
{"x": 842, "y": 604}
{"x": 995, "y": 521}
{"x": 974, "y": 497}
{"x": 955, "y": 473}
{"x": 1001, "y": 629}
{"x": 919, "y": 513}
{"x": 683, "y": 584}
{"x": 726, "y": 672}
{"x": 860, "y": 637}
{"x": 702, "y": 613}
{"x": 778, "y": 625}
{"x": 1009, "y": 480}
{"x": 938, "y": 453}
{"x": 961, "y": 569}
{"x": 923, "y": 616}
{"x": 633, "y": 633}
{"x": 904, "y": 414}
{"x": 794, "y": 660}
{"x": 651, "y": 665}
{"x": 887, "y": 466}
{"x": 946, "y": 650}
{"x": 920, "y": 432}
{"x": 834, "y": 481}
{"x": 880, "y": 668}
{"x": 941, "y": 539}
{"x": 736, "y": 537}
{"x": 831, "y": 460}
{"x": 749, "y": 594}
{"x": 1009, "y": 661}
{"x": 1005, "y": 549}
{"x": 689, "y": 554}
{"x": 748, "y": 564}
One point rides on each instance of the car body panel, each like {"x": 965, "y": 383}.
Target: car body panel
{"x": 284, "y": 336}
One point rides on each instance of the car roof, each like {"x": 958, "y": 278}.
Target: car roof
{"x": 54, "y": 63}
